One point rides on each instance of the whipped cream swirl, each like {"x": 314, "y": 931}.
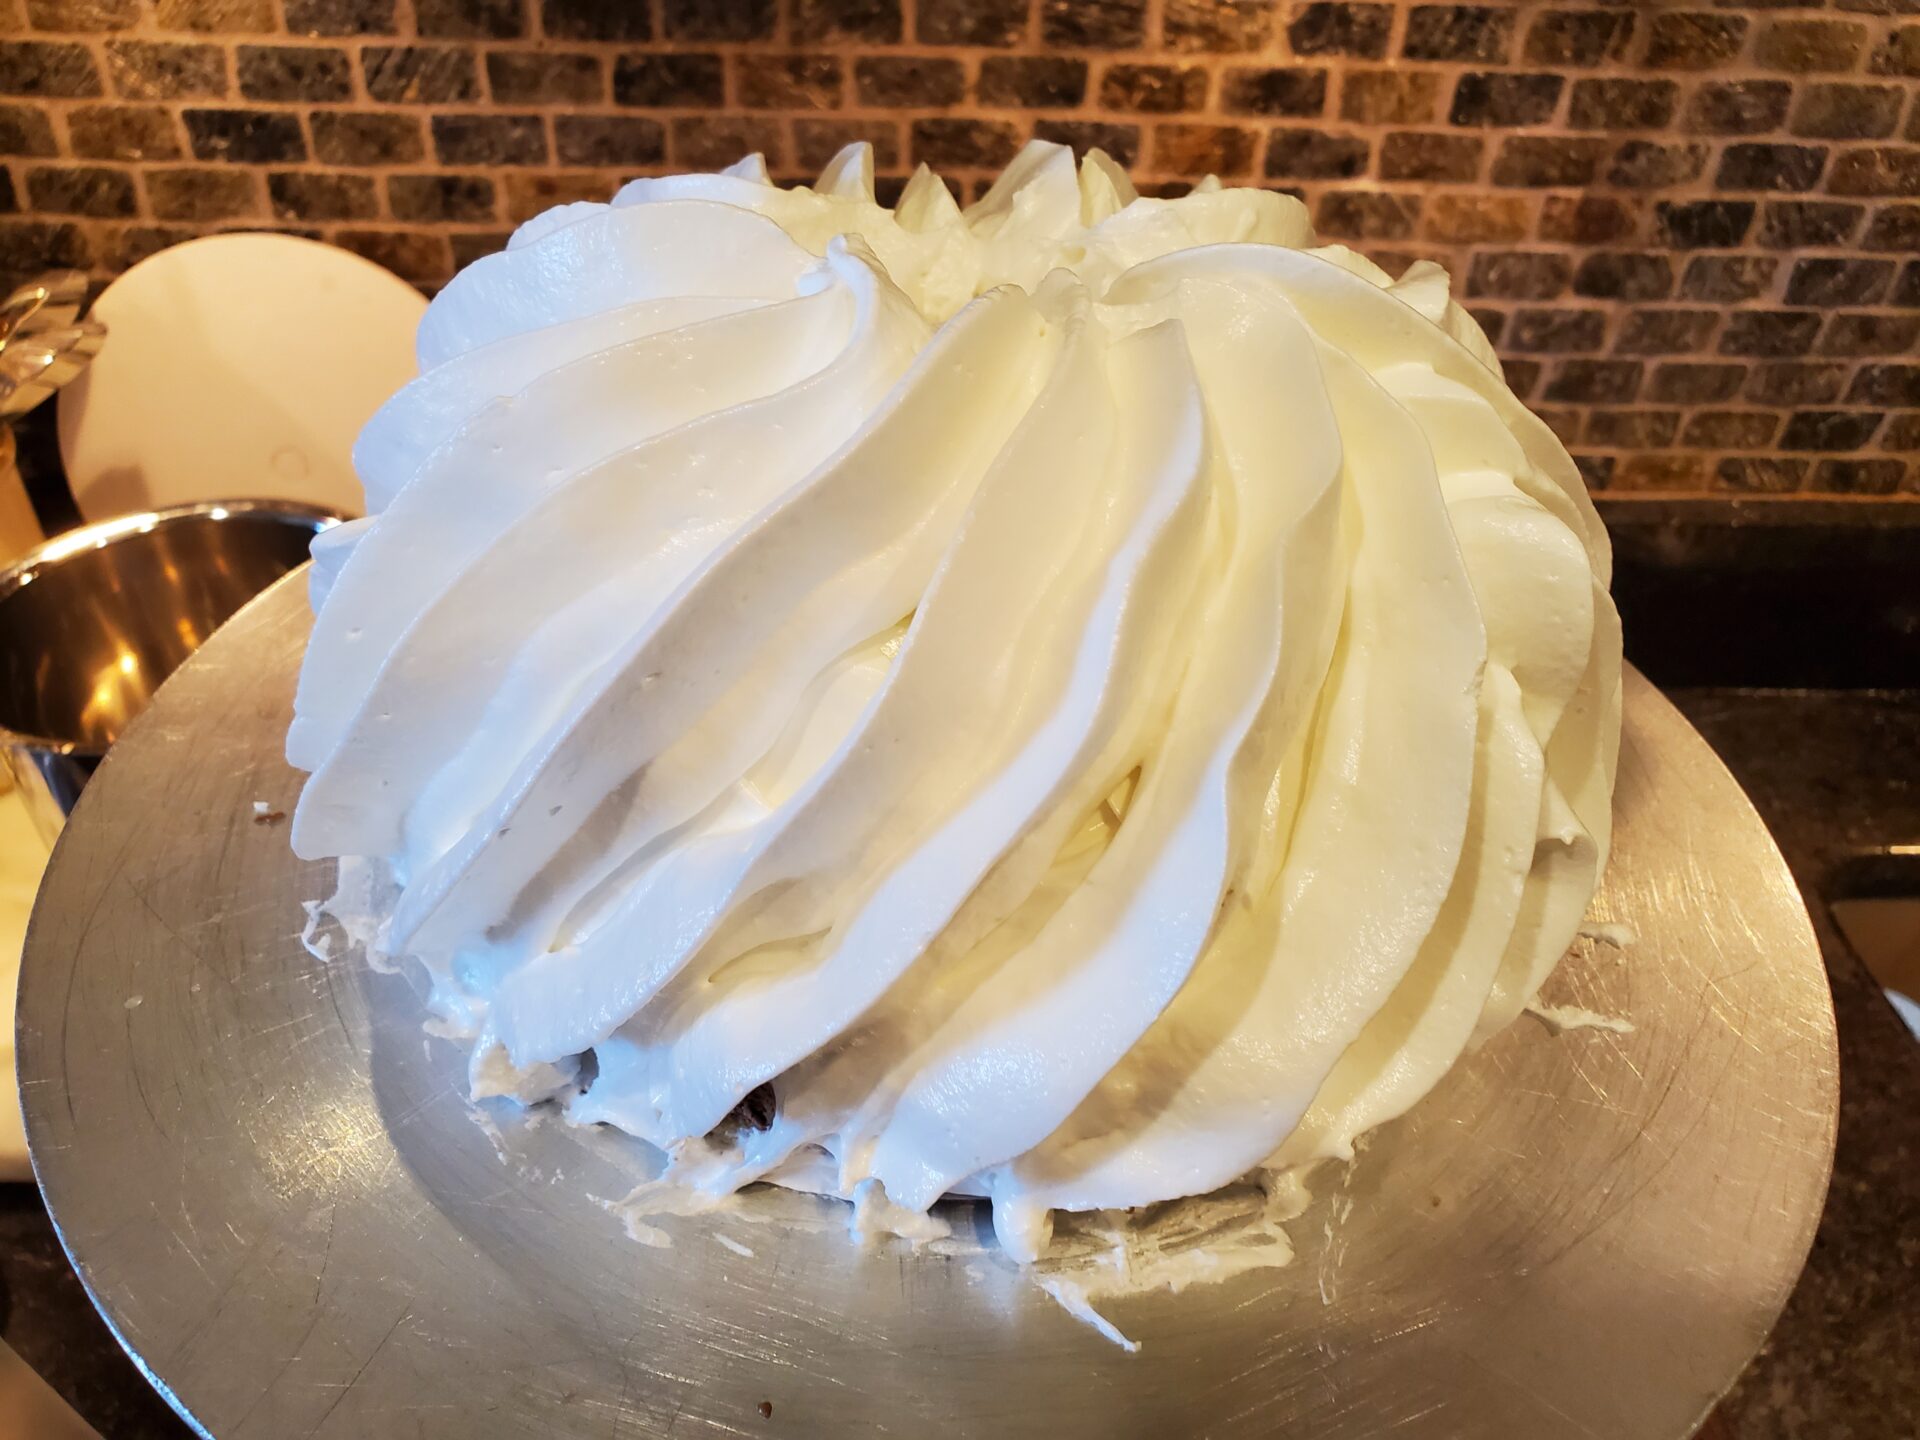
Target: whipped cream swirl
{"x": 1069, "y": 701}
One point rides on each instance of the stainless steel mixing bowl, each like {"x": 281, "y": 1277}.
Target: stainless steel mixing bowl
{"x": 94, "y": 620}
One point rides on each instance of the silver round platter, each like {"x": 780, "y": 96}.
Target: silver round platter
{"x": 274, "y": 1187}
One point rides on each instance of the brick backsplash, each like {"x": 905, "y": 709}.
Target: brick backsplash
{"x": 1692, "y": 230}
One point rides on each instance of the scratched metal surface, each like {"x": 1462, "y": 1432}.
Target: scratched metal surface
{"x": 269, "y": 1182}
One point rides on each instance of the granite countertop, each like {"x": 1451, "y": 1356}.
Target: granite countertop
{"x": 1833, "y": 774}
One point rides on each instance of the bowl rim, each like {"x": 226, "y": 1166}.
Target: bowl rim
{"x": 103, "y": 533}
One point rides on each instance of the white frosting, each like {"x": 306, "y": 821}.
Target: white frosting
{"x": 1086, "y": 697}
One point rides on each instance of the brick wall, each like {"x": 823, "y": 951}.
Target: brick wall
{"x": 1691, "y": 230}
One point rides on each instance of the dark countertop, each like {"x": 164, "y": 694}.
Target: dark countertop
{"x": 1834, "y": 773}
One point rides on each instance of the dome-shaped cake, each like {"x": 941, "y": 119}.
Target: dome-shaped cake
{"x": 1072, "y": 700}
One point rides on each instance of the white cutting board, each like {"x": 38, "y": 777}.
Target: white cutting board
{"x": 236, "y": 367}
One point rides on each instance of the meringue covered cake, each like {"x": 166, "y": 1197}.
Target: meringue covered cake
{"x": 1073, "y": 701}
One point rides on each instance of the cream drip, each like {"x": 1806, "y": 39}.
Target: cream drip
{"x": 1086, "y": 697}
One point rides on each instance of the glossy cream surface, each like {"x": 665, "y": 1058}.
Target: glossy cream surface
{"x": 1083, "y": 697}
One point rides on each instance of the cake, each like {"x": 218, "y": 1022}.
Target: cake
{"x": 1073, "y": 701}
